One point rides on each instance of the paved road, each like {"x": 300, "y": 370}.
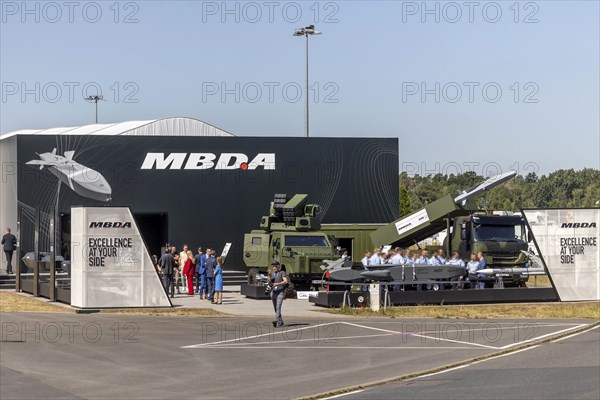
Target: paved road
{"x": 564, "y": 369}
{"x": 125, "y": 356}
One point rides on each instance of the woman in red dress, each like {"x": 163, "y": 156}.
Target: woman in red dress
{"x": 189, "y": 270}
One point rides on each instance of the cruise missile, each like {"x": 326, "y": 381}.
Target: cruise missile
{"x": 482, "y": 187}
{"x": 411, "y": 273}
{"x": 82, "y": 180}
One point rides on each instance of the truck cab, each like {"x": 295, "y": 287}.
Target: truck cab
{"x": 501, "y": 239}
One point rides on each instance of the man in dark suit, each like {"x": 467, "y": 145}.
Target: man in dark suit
{"x": 9, "y": 242}
{"x": 167, "y": 269}
{"x": 210, "y": 265}
{"x": 201, "y": 273}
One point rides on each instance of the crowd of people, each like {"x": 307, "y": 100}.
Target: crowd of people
{"x": 200, "y": 274}
{"x": 399, "y": 256}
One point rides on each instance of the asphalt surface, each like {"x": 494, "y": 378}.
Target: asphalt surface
{"x": 564, "y": 369}
{"x": 124, "y": 356}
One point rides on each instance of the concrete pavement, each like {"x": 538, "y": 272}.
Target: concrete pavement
{"x": 133, "y": 356}
{"x": 235, "y": 303}
{"x": 565, "y": 369}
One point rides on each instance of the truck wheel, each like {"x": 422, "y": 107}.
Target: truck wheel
{"x": 252, "y": 272}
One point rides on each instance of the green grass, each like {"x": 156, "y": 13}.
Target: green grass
{"x": 538, "y": 310}
{"x": 21, "y": 302}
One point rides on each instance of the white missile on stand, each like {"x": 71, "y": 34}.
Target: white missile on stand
{"x": 482, "y": 187}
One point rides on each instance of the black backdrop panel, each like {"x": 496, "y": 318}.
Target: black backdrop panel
{"x": 354, "y": 181}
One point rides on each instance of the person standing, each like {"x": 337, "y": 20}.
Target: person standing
{"x": 219, "y": 281}
{"x": 472, "y": 270}
{"x": 183, "y": 257}
{"x": 397, "y": 258}
{"x": 375, "y": 259}
{"x": 482, "y": 265}
{"x": 456, "y": 260}
{"x": 167, "y": 269}
{"x": 189, "y": 270}
{"x": 441, "y": 257}
{"x": 210, "y": 265}
{"x": 177, "y": 270}
{"x": 9, "y": 242}
{"x": 346, "y": 256}
{"x": 278, "y": 281}
{"x": 201, "y": 273}
{"x": 365, "y": 259}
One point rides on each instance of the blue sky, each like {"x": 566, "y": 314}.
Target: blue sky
{"x": 483, "y": 86}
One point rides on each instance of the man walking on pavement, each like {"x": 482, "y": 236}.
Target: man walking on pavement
{"x": 9, "y": 242}
{"x": 278, "y": 280}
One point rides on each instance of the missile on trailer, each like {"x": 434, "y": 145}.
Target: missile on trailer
{"x": 432, "y": 219}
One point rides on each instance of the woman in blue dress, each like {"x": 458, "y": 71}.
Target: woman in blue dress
{"x": 219, "y": 281}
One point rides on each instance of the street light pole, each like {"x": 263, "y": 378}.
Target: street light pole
{"x": 309, "y": 30}
{"x": 306, "y": 96}
{"x": 95, "y": 99}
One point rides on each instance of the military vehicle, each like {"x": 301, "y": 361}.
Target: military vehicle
{"x": 291, "y": 235}
{"x": 501, "y": 238}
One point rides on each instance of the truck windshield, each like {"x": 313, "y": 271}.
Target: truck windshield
{"x": 306, "y": 241}
{"x": 499, "y": 233}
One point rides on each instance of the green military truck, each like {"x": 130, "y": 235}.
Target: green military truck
{"x": 292, "y": 235}
{"x": 501, "y": 238}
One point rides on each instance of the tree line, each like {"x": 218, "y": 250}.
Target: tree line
{"x": 564, "y": 188}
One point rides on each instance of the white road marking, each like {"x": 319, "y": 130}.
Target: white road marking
{"x": 576, "y": 334}
{"x": 242, "y": 342}
{"x": 195, "y": 346}
{"x": 457, "y": 341}
{"x": 318, "y": 340}
{"x": 421, "y": 335}
{"x": 512, "y": 325}
{"x": 344, "y": 394}
{"x": 540, "y": 337}
{"x": 471, "y": 364}
{"x": 342, "y": 347}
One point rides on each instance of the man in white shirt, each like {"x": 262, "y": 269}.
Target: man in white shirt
{"x": 375, "y": 259}
{"x": 456, "y": 260}
{"x": 434, "y": 260}
{"x": 365, "y": 259}
{"x": 397, "y": 258}
{"x": 472, "y": 267}
{"x": 440, "y": 256}
{"x": 424, "y": 259}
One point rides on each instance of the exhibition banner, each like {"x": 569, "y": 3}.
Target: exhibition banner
{"x": 567, "y": 240}
{"x": 205, "y": 191}
{"x": 111, "y": 266}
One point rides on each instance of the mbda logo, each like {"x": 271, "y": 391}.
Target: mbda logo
{"x": 207, "y": 161}
{"x": 578, "y": 225}
{"x": 110, "y": 224}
